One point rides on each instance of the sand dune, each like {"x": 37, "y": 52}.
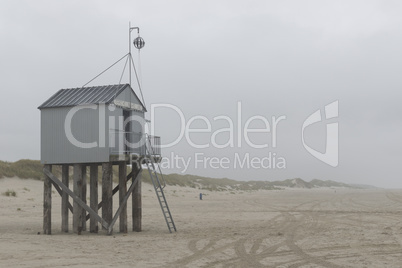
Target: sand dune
{"x": 290, "y": 228}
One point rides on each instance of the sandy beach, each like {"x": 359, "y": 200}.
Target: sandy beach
{"x": 286, "y": 228}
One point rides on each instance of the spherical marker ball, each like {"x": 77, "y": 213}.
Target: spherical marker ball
{"x": 139, "y": 42}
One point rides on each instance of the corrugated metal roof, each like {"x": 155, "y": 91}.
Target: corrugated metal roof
{"x": 85, "y": 95}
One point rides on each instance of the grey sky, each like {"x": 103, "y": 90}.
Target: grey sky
{"x": 277, "y": 58}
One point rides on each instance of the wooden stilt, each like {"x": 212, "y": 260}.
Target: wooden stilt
{"x": 47, "y": 203}
{"x": 60, "y": 191}
{"x": 84, "y": 196}
{"x": 64, "y": 199}
{"x": 119, "y": 210}
{"x": 107, "y": 186}
{"x": 122, "y": 194}
{"x": 115, "y": 190}
{"x": 76, "y": 198}
{"x": 93, "y": 225}
{"x": 79, "y": 193}
{"x": 77, "y": 209}
{"x": 136, "y": 200}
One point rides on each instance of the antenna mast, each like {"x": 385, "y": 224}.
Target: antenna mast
{"x": 138, "y": 43}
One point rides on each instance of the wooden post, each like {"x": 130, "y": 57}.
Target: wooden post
{"x": 122, "y": 194}
{"x": 84, "y": 197}
{"x": 93, "y": 181}
{"x": 76, "y": 198}
{"x": 64, "y": 199}
{"x": 119, "y": 210}
{"x": 107, "y": 196}
{"x": 136, "y": 200}
{"x": 77, "y": 209}
{"x": 47, "y": 203}
{"x": 115, "y": 190}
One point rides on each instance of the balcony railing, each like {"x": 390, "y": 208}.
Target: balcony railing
{"x": 123, "y": 142}
{"x": 155, "y": 142}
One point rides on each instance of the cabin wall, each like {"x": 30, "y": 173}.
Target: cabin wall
{"x": 126, "y": 130}
{"x": 85, "y": 144}
{"x": 136, "y": 125}
{"x": 97, "y": 131}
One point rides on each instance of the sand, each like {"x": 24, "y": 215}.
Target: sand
{"x": 288, "y": 228}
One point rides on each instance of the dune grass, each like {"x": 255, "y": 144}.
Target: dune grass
{"x": 33, "y": 169}
{"x": 10, "y": 193}
{"x": 24, "y": 169}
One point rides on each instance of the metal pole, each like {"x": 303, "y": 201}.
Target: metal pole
{"x": 129, "y": 51}
{"x": 129, "y": 47}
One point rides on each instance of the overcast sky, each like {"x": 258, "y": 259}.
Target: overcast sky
{"x": 277, "y": 58}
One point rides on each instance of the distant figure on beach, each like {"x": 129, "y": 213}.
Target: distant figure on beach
{"x": 200, "y": 196}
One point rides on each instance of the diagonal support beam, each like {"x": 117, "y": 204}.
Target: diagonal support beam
{"x": 115, "y": 190}
{"x": 124, "y": 202}
{"x": 60, "y": 191}
{"x": 75, "y": 198}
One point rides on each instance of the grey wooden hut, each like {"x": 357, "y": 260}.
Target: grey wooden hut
{"x": 89, "y": 127}
{"x": 85, "y": 125}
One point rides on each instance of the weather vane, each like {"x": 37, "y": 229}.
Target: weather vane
{"x": 138, "y": 42}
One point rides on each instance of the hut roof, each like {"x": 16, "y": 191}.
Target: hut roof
{"x": 86, "y": 95}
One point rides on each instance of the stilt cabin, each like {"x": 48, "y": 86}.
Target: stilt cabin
{"x": 93, "y": 125}
{"x": 88, "y": 127}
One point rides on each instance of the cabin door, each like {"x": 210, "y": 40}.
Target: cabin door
{"x": 127, "y": 130}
